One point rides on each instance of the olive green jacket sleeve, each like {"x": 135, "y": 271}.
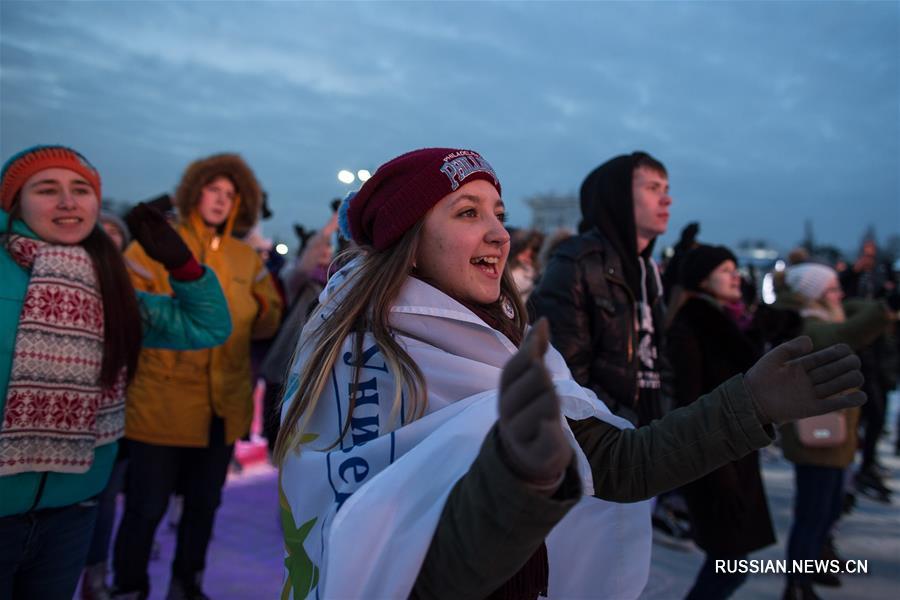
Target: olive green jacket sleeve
{"x": 493, "y": 522}
{"x": 490, "y": 526}
{"x": 866, "y": 320}
{"x": 629, "y": 465}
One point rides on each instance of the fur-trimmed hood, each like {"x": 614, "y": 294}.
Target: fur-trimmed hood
{"x": 202, "y": 171}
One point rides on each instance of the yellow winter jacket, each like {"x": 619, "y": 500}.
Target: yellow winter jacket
{"x": 174, "y": 394}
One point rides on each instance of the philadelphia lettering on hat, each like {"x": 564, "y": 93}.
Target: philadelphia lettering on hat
{"x": 405, "y": 188}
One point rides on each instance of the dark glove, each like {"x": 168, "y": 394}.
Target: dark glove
{"x": 162, "y": 203}
{"x": 150, "y": 229}
{"x": 792, "y": 382}
{"x": 531, "y": 432}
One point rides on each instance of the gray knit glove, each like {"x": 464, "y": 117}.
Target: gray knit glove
{"x": 792, "y": 382}
{"x": 530, "y": 428}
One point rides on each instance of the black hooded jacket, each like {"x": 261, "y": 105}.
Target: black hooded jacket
{"x": 590, "y": 291}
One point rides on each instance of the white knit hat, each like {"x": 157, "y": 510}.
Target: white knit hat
{"x": 810, "y": 280}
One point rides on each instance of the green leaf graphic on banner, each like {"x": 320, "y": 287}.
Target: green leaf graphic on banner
{"x": 303, "y": 575}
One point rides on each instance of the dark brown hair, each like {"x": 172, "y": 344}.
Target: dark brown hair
{"x": 122, "y": 328}
{"x": 642, "y": 159}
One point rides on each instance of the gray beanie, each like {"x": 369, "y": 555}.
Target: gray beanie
{"x": 110, "y": 217}
{"x": 810, "y": 280}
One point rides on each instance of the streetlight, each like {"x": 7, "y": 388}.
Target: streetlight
{"x": 363, "y": 175}
{"x": 281, "y": 249}
{"x": 345, "y": 176}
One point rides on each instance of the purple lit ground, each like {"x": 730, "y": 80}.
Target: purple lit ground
{"x": 245, "y": 559}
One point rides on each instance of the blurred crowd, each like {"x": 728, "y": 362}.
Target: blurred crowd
{"x": 132, "y": 345}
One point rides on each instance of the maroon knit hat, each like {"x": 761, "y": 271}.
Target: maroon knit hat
{"x": 403, "y": 189}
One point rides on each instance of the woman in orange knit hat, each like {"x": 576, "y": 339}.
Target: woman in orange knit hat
{"x": 71, "y": 329}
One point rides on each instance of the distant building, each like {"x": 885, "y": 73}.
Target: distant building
{"x": 551, "y": 212}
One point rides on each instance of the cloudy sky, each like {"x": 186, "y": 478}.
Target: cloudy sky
{"x": 766, "y": 114}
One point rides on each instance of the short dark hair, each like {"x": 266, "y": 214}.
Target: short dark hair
{"x": 642, "y": 159}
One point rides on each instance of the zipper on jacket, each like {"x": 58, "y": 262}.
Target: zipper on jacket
{"x": 213, "y": 245}
{"x": 621, "y": 282}
{"x": 631, "y": 333}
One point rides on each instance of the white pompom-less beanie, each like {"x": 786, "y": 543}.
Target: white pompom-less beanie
{"x": 810, "y": 280}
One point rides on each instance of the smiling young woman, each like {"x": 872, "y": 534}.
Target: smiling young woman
{"x": 464, "y": 245}
{"x": 71, "y": 330}
{"x": 397, "y": 477}
{"x": 61, "y": 206}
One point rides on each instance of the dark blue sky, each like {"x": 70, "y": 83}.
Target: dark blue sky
{"x": 766, "y": 114}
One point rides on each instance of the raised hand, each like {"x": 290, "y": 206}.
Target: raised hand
{"x": 161, "y": 243}
{"x": 792, "y": 382}
{"x": 530, "y": 427}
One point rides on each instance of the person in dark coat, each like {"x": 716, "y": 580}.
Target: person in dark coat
{"x": 709, "y": 342}
{"x": 873, "y": 279}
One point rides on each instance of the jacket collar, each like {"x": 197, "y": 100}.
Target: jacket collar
{"x": 417, "y": 297}
{"x": 18, "y": 226}
{"x": 707, "y": 319}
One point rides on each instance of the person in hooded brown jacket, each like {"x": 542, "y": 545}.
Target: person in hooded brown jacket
{"x": 186, "y": 409}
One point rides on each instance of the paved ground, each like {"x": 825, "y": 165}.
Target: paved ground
{"x": 245, "y": 558}
{"x": 871, "y": 532}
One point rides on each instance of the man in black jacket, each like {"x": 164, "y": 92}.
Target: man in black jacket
{"x": 603, "y": 296}
{"x": 601, "y": 290}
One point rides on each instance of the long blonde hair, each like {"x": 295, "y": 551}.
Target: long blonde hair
{"x": 364, "y": 305}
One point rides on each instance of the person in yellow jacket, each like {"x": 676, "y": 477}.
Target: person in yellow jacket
{"x": 186, "y": 409}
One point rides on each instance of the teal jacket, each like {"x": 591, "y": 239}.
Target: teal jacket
{"x": 196, "y": 317}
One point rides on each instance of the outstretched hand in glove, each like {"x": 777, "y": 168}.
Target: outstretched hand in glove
{"x": 792, "y": 382}
{"x": 149, "y": 227}
{"x": 530, "y": 426}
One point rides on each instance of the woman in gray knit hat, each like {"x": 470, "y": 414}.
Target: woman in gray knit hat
{"x": 115, "y": 228}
